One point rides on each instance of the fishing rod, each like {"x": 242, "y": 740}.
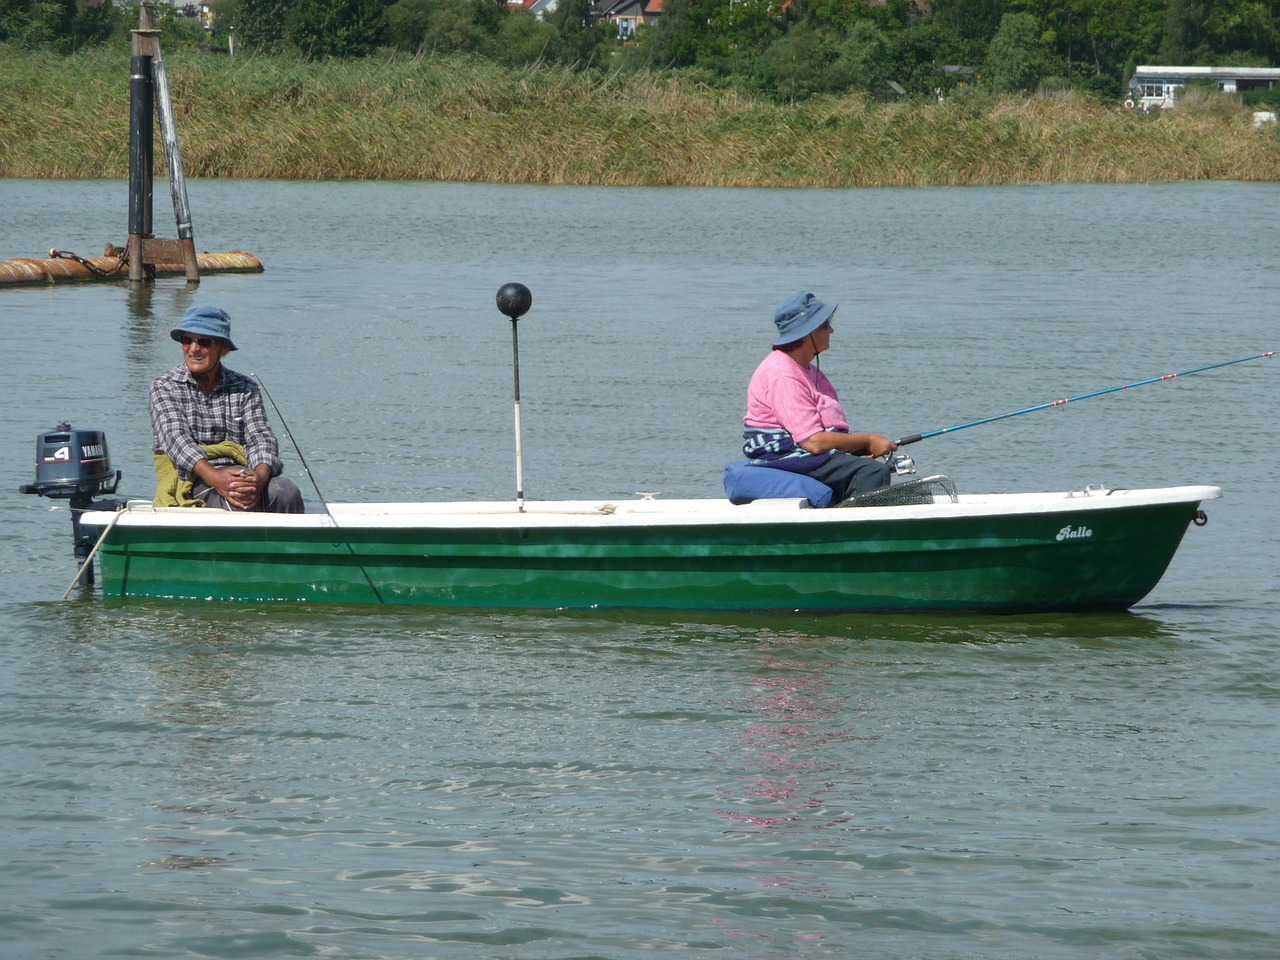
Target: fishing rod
{"x": 916, "y": 437}
{"x": 323, "y": 502}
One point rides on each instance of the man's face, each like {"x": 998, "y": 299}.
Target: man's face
{"x": 202, "y": 354}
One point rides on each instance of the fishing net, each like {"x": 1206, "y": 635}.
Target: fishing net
{"x": 924, "y": 490}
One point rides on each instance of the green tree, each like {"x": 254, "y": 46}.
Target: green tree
{"x": 1245, "y": 30}
{"x": 862, "y": 57}
{"x": 408, "y": 25}
{"x": 840, "y": 13}
{"x": 1015, "y": 58}
{"x": 970, "y": 19}
{"x": 434, "y": 26}
{"x": 683, "y": 36}
{"x": 226, "y": 18}
{"x": 96, "y": 24}
{"x": 750, "y": 27}
{"x": 723, "y": 36}
{"x": 1186, "y": 24}
{"x": 334, "y": 28}
{"x": 798, "y": 64}
{"x": 580, "y": 41}
{"x": 918, "y": 55}
{"x": 37, "y": 23}
{"x": 1120, "y": 33}
{"x": 260, "y": 23}
{"x": 521, "y": 39}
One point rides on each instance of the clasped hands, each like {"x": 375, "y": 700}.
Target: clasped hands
{"x": 239, "y": 486}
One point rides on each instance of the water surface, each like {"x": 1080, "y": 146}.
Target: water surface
{"x": 265, "y": 780}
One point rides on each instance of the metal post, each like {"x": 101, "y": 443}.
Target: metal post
{"x": 149, "y": 92}
{"x": 173, "y": 157}
{"x": 141, "y": 157}
{"x": 515, "y": 363}
{"x": 514, "y": 301}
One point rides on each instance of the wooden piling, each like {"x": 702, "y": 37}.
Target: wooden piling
{"x": 141, "y": 160}
{"x": 144, "y": 256}
{"x": 149, "y": 85}
{"x": 150, "y": 41}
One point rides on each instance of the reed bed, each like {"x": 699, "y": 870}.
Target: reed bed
{"x": 402, "y": 118}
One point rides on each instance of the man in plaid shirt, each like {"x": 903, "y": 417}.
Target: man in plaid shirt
{"x": 210, "y": 422}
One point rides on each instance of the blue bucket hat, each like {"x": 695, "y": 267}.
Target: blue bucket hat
{"x": 205, "y": 322}
{"x": 799, "y": 315}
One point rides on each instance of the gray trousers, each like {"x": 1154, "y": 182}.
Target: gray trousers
{"x": 847, "y": 475}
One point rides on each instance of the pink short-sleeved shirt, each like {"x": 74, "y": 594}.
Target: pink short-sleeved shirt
{"x": 800, "y": 400}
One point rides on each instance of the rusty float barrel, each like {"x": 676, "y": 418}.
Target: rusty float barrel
{"x": 68, "y": 268}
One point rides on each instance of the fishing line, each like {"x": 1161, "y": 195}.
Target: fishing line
{"x": 915, "y": 437}
{"x": 323, "y": 502}
{"x": 297, "y": 449}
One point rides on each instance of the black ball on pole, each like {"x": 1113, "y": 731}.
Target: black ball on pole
{"x": 514, "y": 300}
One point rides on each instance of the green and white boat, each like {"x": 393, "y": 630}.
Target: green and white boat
{"x": 913, "y": 546}
{"x": 1092, "y": 549}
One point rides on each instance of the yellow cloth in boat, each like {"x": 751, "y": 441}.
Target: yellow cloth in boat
{"x": 172, "y": 491}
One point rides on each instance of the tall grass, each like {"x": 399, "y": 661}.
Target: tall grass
{"x": 467, "y": 120}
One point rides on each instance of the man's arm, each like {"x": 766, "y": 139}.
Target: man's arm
{"x": 260, "y": 445}
{"x": 173, "y": 435}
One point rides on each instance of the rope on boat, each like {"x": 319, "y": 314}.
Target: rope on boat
{"x": 94, "y": 552}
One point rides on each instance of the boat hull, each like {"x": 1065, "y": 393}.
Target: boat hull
{"x": 998, "y": 554}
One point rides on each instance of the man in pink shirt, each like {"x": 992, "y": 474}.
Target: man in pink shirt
{"x": 794, "y": 418}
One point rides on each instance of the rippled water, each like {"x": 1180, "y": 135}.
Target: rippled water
{"x": 261, "y": 781}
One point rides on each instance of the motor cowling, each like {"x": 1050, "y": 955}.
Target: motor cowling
{"x": 72, "y": 464}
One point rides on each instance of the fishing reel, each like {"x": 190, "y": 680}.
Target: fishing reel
{"x": 901, "y": 464}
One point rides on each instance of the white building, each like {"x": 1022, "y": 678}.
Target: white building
{"x": 1157, "y": 87}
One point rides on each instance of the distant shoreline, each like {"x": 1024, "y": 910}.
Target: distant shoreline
{"x": 470, "y": 121}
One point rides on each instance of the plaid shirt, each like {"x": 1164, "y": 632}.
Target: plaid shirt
{"x": 184, "y": 419}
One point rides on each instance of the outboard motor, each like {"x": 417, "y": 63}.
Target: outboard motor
{"x": 74, "y": 465}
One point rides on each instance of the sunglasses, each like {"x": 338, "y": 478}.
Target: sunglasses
{"x": 204, "y": 342}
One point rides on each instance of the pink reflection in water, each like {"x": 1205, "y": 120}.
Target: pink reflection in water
{"x": 786, "y": 774}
